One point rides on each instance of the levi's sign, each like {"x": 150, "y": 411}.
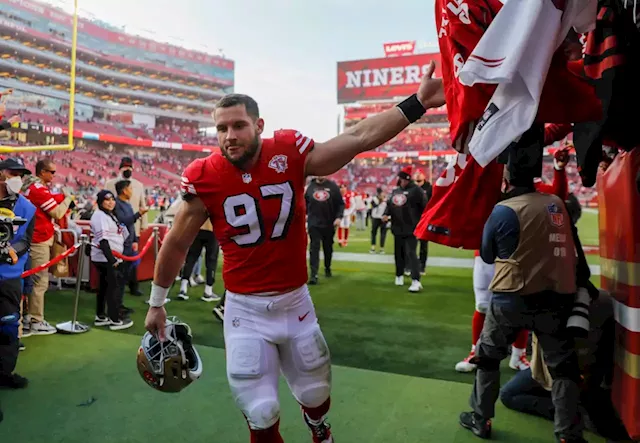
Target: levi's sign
{"x": 383, "y": 78}
{"x": 399, "y": 48}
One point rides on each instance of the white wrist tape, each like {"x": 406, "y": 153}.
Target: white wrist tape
{"x": 158, "y": 296}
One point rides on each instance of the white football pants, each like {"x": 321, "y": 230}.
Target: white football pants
{"x": 482, "y": 276}
{"x": 265, "y": 335}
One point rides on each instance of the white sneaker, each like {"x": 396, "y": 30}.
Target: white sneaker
{"x": 42, "y": 328}
{"x": 415, "y": 286}
{"x": 192, "y": 282}
{"x": 200, "y": 279}
{"x": 210, "y": 297}
{"x": 465, "y": 365}
{"x": 183, "y": 296}
{"x": 400, "y": 280}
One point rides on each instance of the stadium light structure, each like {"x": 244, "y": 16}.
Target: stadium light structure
{"x": 72, "y": 99}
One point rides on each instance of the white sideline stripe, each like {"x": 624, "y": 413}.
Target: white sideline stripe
{"x": 438, "y": 262}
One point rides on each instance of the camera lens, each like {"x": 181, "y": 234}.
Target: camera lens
{"x": 6, "y": 232}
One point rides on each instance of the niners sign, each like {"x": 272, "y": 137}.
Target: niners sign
{"x": 383, "y": 78}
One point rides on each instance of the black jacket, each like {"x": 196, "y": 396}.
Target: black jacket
{"x": 405, "y": 206}
{"x": 324, "y": 204}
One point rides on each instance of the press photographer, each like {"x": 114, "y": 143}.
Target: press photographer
{"x": 16, "y": 229}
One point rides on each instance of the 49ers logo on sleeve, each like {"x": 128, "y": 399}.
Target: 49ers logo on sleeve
{"x": 278, "y": 163}
{"x": 399, "y": 200}
{"x": 321, "y": 195}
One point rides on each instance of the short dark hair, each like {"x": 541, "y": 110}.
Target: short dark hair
{"x": 121, "y": 186}
{"x": 250, "y": 104}
{"x": 43, "y": 164}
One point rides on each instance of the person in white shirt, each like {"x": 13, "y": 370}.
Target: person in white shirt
{"x": 108, "y": 237}
{"x": 378, "y": 206}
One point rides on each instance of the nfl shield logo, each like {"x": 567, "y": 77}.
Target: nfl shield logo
{"x": 556, "y": 215}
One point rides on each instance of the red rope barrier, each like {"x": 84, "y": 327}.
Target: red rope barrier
{"x": 50, "y": 263}
{"x": 136, "y": 257}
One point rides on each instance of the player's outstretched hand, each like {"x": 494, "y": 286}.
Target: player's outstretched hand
{"x": 156, "y": 321}
{"x": 431, "y": 90}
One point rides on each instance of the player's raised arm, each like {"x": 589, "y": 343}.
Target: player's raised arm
{"x": 327, "y": 158}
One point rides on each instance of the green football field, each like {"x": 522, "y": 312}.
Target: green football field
{"x": 393, "y": 354}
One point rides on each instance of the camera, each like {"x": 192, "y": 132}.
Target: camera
{"x": 8, "y": 226}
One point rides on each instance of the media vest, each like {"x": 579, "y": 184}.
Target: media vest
{"x": 545, "y": 258}
{"x": 25, "y": 209}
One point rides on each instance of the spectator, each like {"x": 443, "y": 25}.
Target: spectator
{"x": 48, "y": 206}
{"x": 137, "y": 202}
{"x": 12, "y": 264}
{"x": 125, "y": 215}
{"x": 109, "y": 236}
{"x": 378, "y": 208}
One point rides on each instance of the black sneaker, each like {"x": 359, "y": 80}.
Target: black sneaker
{"x": 125, "y": 310}
{"x": 327, "y": 273}
{"x": 21, "y": 346}
{"x": 313, "y": 280}
{"x": 218, "y": 312}
{"x": 479, "y": 426}
{"x": 123, "y": 323}
{"x": 101, "y": 320}
{"x": 321, "y": 431}
{"x": 13, "y": 381}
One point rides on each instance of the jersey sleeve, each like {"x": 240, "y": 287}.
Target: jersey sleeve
{"x": 192, "y": 179}
{"x": 99, "y": 227}
{"x": 299, "y": 144}
{"x": 42, "y": 198}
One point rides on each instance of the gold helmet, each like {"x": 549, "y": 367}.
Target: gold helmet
{"x": 170, "y": 366}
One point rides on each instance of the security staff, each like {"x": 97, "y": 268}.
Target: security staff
{"x": 404, "y": 207}
{"x": 325, "y": 209}
{"x": 12, "y": 265}
{"x": 529, "y": 237}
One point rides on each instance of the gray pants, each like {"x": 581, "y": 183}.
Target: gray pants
{"x": 545, "y": 314}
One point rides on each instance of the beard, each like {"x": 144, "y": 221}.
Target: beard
{"x": 248, "y": 154}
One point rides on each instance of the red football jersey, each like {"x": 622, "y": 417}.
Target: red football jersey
{"x": 258, "y": 215}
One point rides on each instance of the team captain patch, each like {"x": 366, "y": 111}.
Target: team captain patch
{"x": 556, "y": 215}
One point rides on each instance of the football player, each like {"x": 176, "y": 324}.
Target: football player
{"x": 253, "y": 193}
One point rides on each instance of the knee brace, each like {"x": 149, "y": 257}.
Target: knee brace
{"x": 9, "y": 326}
{"x": 253, "y": 392}
{"x": 312, "y": 362}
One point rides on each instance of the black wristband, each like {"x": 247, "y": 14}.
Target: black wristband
{"x": 412, "y": 108}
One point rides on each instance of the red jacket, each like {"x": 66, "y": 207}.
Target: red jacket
{"x": 49, "y": 207}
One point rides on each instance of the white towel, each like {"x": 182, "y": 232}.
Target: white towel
{"x": 515, "y": 52}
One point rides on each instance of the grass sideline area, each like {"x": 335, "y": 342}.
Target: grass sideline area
{"x": 394, "y": 355}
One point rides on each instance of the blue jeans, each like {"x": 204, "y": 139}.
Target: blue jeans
{"x": 523, "y": 394}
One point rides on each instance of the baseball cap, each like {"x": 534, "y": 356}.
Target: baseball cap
{"x": 126, "y": 162}
{"x": 14, "y": 164}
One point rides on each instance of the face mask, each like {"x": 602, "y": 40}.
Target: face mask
{"x": 127, "y": 173}
{"x": 14, "y": 185}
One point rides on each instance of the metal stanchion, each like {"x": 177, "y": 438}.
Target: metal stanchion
{"x": 73, "y": 326}
{"x": 156, "y": 242}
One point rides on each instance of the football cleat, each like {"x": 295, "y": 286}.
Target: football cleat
{"x": 519, "y": 360}
{"x": 320, "y": 431}
{"x": 173, "y": 365}
{"x": 466, "y": 365}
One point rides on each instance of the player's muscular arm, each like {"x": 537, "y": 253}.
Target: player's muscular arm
{"x": 329, "y": 157}
{"x": 190, "y": 217}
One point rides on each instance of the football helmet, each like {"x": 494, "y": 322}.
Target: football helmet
{"x": 170, "y": 366}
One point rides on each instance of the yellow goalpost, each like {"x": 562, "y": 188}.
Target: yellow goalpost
{"x": 72, "y": 97}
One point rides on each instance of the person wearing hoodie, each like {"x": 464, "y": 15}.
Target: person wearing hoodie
{"x": 404, "y": 208}
{"x": 109, "y": 236}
